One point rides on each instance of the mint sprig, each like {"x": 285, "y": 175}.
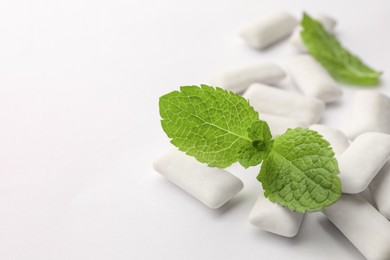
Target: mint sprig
{"x": 340, "y": 63}
{"x": 219, "y": 127}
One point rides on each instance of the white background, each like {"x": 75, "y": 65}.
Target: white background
{"x": 79, "y": 126}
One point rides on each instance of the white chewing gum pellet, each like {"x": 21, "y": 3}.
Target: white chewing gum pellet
{"x": 279, "y": 124}
{"x": 239, "y": 80}
{"x": 269, "y": 30}
{"x": 212, "y": 186}
{"x": 362, "y": 160}
{"x": 275, "y": 218}
{"x": 337, "y": 139}
{"x": 370, "y": 112}
{"x": 362, "y": 224}
{"x": 328, "y": 22}
{"x": 270, "y": 100}
{"x": 380, "y": 190}
{"x": 367, "y": 195}
{"x": 313, "y": 79}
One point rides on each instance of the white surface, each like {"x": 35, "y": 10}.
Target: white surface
{"x": 79, "y": 87}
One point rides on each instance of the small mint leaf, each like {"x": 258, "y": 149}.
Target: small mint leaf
{"x": 259, "y": 131}
{"x": 301, "y": 172}
{"x": 250, "y": 156}
{"x": 261, "y": 137}
{"x": 340, "y": 63}
{"x": 208, "y": 123}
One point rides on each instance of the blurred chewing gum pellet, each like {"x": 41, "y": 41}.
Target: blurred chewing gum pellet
{"x": 380, "y": 190}
{"x": 274, "y": 218}
{"x": 269, "y": 30}
{"x": 270, "y": 100}
{"x": 279, "y": 124}
{"x": 327, "y": 22}
{"x": 212, "y": 186}
{"x": 370, "y": 112}
{"x": 240, "y": 79}
{"x": 313, "y": 79}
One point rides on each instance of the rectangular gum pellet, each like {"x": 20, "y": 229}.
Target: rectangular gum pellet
{"x": 269, "y": 30}
{"x": 239, "y": 80}
{"x": 370, "y": 112}
{"x": 270, "y": 100}
{"x": 313, "y": 79}
{"x": 274, "y": 218}
{"x": 362, "y": 224}
{"x": 362, "y": 160}
{"x": 380, "y": 190}
{"x": 212, "y": 186}
{"x": 279, "y": 124}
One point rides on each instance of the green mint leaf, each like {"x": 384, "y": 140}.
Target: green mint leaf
{"x": 261, "y": 137}
{"x": 208, "y": 123}
{"x": 340, "y": 63}
{"x": 259, "y": 131}
{"x": 301, "y": 172}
